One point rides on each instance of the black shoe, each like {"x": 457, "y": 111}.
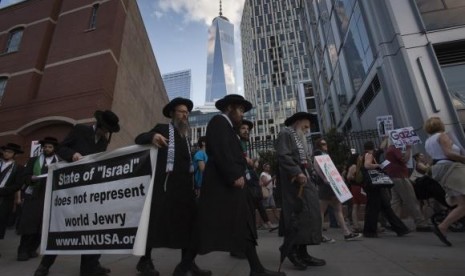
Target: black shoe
{"x": 441, "y": 235}
{"x": 296, "y": 261}
{"x": 312, "y": 261}
{"x": 95, "y": 271}
{"x": 42, "y": 270}
{"x": 403, "y": 233}
{"x": 196, "y": 271}
{"x": 22, "y": 256}
{"x": 267, "y": 272}
{"x": 146, "y": 268}
{"x": 33, "y": 254}
{"x": 239, "y": 255}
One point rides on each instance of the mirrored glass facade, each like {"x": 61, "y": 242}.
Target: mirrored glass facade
{"x": 178, "y": 84}
{"x": 221, "y": 78}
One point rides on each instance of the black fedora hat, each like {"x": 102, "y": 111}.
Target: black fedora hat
{"x": 49, "y": 140}
{"x": 221, "y": 104}
{"x": 108, "y": 120}
{"x": 300, "y": 116}
{"x": 12, "y": 146}
{"x": 175, "y": 102}
{"x": 247, "y": 122}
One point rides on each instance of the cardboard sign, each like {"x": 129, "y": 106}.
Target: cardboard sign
{"x": 404, "y": 136}
{"x": 334, "y": 178}
{"x": 384, "y": 125}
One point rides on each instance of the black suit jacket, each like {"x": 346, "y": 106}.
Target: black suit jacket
{"x": 81, "y": 139}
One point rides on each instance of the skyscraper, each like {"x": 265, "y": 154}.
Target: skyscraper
{"x": 275, "y": 62}
{"x": 221, "y": 78}
{"x": 178, "y": 84}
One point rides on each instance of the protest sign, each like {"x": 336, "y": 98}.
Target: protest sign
{"x": 403, "y": 137}
{"x": 334, "y": 178}
{"x": 384, "y": 125}
{"x": 99, "y": 204}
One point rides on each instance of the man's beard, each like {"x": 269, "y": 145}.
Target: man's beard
{"x": 48, "y": 154}
{"x": 182, "y": 127}
{"x": 303, "y": 139}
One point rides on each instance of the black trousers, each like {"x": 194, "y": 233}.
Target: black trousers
{"x": 88, "y": 262}
{"x": 29, "y": 243}
{"x": 379, "y": 201}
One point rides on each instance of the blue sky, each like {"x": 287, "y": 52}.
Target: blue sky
{"x": 178, "y": 32}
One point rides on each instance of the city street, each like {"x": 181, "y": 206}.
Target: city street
{"x": 415, "y": 254}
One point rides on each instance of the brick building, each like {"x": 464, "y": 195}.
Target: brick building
{"x": 60, "y": 60}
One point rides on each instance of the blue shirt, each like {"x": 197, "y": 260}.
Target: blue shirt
{"x": 200, "y": 155}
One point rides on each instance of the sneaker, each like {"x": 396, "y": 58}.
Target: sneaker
{"x": 352, "y": 236}
{"x": 327, "y": 239}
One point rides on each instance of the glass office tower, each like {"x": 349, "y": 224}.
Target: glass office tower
{"x": 178, "y": 84}
{"x": 221, "y": 79}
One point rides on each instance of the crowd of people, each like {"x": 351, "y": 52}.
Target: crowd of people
{"x": 206, "y": 200}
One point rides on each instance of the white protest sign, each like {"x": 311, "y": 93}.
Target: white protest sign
{"x": 334, "y": 178}
{"x": 384, "y": 125}
{"x": 99, "y": 204}
{"x": 404, "y": 136}
{"x": 36, "y": 149}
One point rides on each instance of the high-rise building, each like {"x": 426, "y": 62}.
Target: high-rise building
{"x": 63, "y": 59}
{"x": 275, "y": 61}
{"x": 389, "y": 57}
{"x": 221, "y": 77}
{"x": 178, "y": 84}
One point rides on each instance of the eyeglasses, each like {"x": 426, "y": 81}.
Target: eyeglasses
{"x": 183, "y": 112}
{"x": 323, "y": 144}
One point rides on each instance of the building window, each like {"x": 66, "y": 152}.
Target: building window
{"x": 2, "y": 87}
{"x": 93, "y": 17}
{"x": 14, "y": 39}
{"x": 440, "y": 14}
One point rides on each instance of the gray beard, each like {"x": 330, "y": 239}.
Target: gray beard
{"x": 181, "y": 127}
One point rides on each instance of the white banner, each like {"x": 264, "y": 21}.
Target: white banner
{"x": 334, "y": 178}
{"x": 99, "y": 204}
{"x": 404, "y": 136}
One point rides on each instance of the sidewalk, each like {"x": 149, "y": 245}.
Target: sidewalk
{"x": 415, "y": 254}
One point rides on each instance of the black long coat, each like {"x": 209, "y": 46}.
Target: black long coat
{"x": 7, "y": 195}
{"x": 173, "y": 209}
{"x": 81, "y": 139}
{"x": 225, "y": 220}
{"x": 33, "y": 205}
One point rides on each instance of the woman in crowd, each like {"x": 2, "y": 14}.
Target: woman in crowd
{"x": 378, "y": 199}
{"x": 449, "y": 170}
{"x": 356, "y": 189}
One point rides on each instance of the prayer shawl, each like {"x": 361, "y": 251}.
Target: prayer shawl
{"x": 300, "y": 147}
{"x": 5, "y": 174}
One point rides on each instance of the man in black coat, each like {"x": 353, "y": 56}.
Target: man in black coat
{"x": 226, "y": 221}
{"x": 84, "y": 140}
{"x": 11, "y": 180}
{"x": 30, "y": 223}
{"x": 173, "y": 208}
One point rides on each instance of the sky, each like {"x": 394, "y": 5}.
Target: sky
{"x": 178, "y": 33}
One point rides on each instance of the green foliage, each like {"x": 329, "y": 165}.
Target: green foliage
{"x": 268, "y": 156}
{"x": 338, "y": 149}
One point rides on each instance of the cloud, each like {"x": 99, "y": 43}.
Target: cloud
{"x": 203, "y": 10}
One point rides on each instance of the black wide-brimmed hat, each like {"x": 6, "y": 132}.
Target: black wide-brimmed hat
{"x": 49, "y": 140}
{"x": 108, "y": 120}
{"x": 300, "y": 116}
{"x": 247, "y": 122}
{"x": 175, "y": 102}
{"x": 12, "y": 146}
{"x": 221, "y": 104}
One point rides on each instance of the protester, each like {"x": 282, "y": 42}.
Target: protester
{"x": 200, "y": 159}
{"x": 403, "y": 194}
{"x": 304, "y": 223}
{"x": 173, "y": 209}
{"x": 81, "y": 141}
{"x": 11, "y": 180}
{"x": 358, "y": 198}
{"x": 449, "y": 170}
{"x": 327, "y": 195}
{"x": 267, "y": 182}
{"x": 378, "y": 199}
{"x": 226, "y": 220}
{"x": 30, "y": 223}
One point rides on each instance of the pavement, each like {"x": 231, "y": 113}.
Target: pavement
{"x": 415, "y": 254}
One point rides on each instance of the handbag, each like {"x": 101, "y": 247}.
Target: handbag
{"x": 265, "y": 192}
{"x": 377, "y": 178}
